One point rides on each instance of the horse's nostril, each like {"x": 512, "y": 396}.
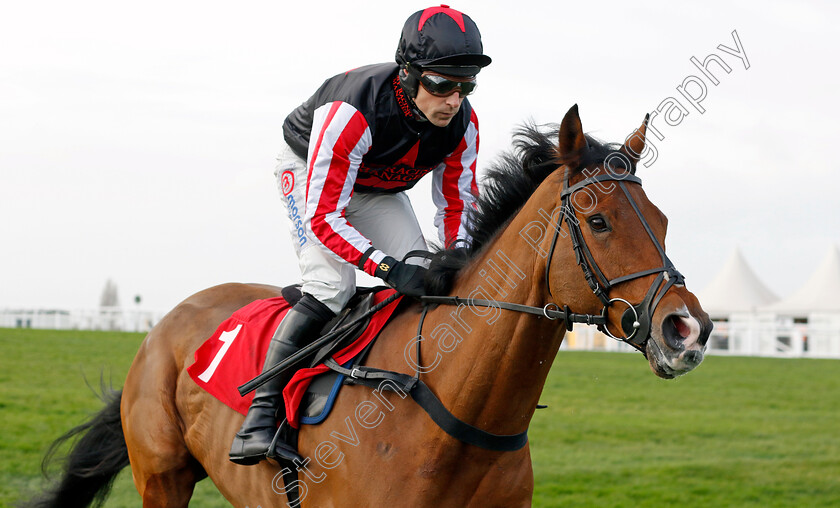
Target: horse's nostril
{"x": 682, "y": 328}
{"x": 675, "y": 331}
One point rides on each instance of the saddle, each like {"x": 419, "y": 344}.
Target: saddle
{"x": 320, "y": 395}
{"x": 354, "y": 312}
{"x": 235, "y": 353}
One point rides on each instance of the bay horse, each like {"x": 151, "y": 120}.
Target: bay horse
{"x": 562, "y": 229}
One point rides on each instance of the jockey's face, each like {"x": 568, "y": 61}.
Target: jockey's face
{"x": 439, "y": 110}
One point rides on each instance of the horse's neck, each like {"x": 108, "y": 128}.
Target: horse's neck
{"x": 497, "y": 360}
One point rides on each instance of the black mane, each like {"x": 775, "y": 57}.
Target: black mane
{"x": 507, "y": 185}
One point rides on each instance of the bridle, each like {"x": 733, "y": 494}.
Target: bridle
{"x": 636, "y": 320}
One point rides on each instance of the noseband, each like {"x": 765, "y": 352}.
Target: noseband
{"x": 636, "y": 320}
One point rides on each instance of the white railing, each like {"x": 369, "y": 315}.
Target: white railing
{"x": 114, "y": 319}
{"x": 745, "y": 335}
{"x": 771, "y": 335}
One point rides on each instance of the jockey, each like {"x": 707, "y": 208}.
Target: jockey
{"x": 350, "y": 153}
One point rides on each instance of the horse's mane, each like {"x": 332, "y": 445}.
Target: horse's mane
{"x": 507, "y": 185}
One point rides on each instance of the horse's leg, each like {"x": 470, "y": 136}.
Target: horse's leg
{"x": 169, "y": 489}
{"x": 164, "y": 471}
{"x": 510, "y": 484}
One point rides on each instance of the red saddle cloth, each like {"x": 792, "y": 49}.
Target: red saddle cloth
{"x": 235, "y": 353}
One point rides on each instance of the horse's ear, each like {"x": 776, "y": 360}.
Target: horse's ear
{"x": 635, "y": 144}
{"x": 571, "y": 143}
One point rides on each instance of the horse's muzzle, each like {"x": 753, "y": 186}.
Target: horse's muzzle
{"x": 679, "y": 345}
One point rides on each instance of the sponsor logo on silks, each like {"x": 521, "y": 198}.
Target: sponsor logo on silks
{"x": 384, "y": 267}
{"x": 397, "y": 172}
{"x": 287, "y": 182}
{"x": 401, "y": 100}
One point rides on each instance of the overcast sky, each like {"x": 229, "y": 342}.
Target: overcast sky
{"x": 137, "y": 140}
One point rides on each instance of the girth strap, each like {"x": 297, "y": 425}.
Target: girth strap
{"x": 290, "y": 481}
{"x": 423, "y": 395}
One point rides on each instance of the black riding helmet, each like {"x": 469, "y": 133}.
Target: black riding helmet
{"x": 442, "y": 40}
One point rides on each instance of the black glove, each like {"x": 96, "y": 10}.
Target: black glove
{"x": 406, "y": 279}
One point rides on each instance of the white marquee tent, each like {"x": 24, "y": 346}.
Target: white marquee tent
{"x": 750, "y": 320}
{"x": 814, "y": 309}
{"x": 820, "y": 294}
{"x": 736, "y": 288}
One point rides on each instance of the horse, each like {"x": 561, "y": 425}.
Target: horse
{"x": 562, "y": 232}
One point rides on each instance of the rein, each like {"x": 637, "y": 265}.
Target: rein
{"x": 635, "y": 322}
{"x": 551, "y": 313}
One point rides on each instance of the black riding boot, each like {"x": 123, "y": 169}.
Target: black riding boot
{"x": 296, "y": 330}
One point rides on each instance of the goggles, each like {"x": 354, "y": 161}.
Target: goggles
{"x": 443, "y": 87}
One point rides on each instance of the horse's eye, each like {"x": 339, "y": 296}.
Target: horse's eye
{"x": 598, "y": 224}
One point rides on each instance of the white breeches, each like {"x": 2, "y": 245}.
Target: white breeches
{"x": 387, "y": 220}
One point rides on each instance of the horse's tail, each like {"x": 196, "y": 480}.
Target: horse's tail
{"x": 92, "y": 463}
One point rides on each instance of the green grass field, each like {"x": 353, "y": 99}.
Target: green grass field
{"x": 753, "y": 432}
